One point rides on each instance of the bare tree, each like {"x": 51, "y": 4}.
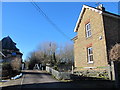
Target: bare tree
{"x": 32, "y": 60}
{"x": 65, "y": 57}
{"x": 47, "y": 51}
{"x": 66, "y": 53}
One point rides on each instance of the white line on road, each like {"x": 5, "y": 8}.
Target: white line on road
{"x": 22, "y": 80}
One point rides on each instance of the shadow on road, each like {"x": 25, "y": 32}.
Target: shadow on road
{"x": 72, "y": 84}
{"x": 77, "y": 82}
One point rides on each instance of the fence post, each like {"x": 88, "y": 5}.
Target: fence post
{"x": 72, "y": 69}
{"x": 109, "y": 72}
{"x": 115, "y": 73}
{"x": 113, "y": 70}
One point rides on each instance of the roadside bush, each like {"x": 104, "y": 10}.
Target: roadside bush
{"x": 114, "y": 56}
{"x": 10, "y": 69}
{"x": 31, "y": 64}
{"x": 93, "y": 74}
{"x": 55, "y": 67}
{"x": 6, "y": 69}
{"x": 6, "y": 66}
{"x": 115, "y": 53}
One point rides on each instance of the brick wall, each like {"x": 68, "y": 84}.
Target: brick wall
{"x": 99, "y": 46}
{"x": 112, "y": 31}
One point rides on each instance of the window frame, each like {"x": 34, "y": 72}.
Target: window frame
{"x": 88, "y": 30}
{"x": 90, "y": 54}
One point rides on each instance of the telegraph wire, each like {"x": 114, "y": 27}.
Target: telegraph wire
{"x": 49, "y": 20}
{"x": 52, "y": 23}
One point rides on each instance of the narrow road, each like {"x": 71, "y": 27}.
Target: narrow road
{"x": 41, "y": 79}
{"x": 32, "y": 79}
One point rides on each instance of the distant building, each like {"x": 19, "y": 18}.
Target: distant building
{"x": 97, "y": 31}
{"x": 9, "y": 51}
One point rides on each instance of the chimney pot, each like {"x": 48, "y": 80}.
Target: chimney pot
{"x": 100, "y": 7}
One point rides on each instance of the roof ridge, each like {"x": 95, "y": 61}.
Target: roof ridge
{"x": 100, "y": 11}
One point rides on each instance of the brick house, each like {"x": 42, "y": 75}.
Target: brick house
{"x": 97, "y": 31}
{"x": 9, "y": 51}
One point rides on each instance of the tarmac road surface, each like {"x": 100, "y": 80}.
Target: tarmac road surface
{"x": 41, "y": 79}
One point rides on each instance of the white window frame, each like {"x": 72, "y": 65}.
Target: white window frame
{"x": 89, "y": 55}
{"x": 88, "y": 30}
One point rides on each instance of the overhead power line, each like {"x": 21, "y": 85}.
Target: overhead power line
{"x": 49, "y": 20}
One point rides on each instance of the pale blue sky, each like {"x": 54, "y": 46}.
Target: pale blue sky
{"x": 28, "y": 28}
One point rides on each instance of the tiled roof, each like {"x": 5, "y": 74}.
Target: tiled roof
{"x": 7, "y": 43}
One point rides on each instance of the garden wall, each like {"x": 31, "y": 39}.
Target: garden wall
{"x": 58, "y": 75}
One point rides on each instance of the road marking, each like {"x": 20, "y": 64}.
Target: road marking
{"x": 22, "y": 80}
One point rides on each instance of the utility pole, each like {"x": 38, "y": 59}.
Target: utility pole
{"x": 50, "y": 53}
